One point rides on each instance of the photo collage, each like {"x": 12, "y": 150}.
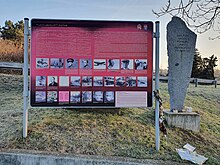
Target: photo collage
{"x": 71, "y": 63}
{"x": 73, "y": 89}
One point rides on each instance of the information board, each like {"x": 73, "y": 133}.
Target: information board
{"x": 78, "y": 63}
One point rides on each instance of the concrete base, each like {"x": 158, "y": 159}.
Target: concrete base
{"x": 185, "y": 120}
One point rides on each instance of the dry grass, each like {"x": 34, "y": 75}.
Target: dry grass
{"x": 130, "y": 134}
{"x": 10, "y": 51}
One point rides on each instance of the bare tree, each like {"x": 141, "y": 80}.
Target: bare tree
{"x": 202, "y": 15}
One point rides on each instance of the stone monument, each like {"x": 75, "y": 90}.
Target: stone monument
{"x": 181, "y": 43}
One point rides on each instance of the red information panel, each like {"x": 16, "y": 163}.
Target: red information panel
{"x": 91, "y": 63}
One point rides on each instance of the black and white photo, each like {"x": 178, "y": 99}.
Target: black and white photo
{"x": 71, "y": 63}
{"x": 140, "y": 64}
{"x": 97, "y": 81}
{"x": 131, "y": 81}
{"x": 86, "y": 96}
{"x": 142, "y": 81}
{"x": 86, "y": 80}
{"x": 56, "y": 63}
{"x": 75, "y": 81}
{"x": 113, "y": 64}
{"x": 85, "y": 63}
{"x": 52, "y": 81}
{"x": 40, "y": 81}
{"x": 99, "y": 64}
{"x": 120, "y": 81}
{"x": 64, "y": 81}
{"x": 40, "y": 96}
{"x": 42, "y": 62}
{"x": 109, "y": 81}
{"x": 75, "y": 96}
{"x": 127, "y": 64}
{"x": 98, "y": 97}
{"x": 52, "y": 97}
{"x": 109, "y": 97}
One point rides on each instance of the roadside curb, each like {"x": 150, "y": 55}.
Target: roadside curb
{"x": 40, "y": 159}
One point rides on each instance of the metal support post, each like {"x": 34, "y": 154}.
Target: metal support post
{"x": 157, "y": 128}
{"x": 25, "y": 75}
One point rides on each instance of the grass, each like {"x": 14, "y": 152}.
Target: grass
{"x": 128, "y": 134}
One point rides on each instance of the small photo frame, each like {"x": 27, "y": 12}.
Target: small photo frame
{"x": 75, "y": 81}
{"x": 99, "y": 64}
{"x": 64, "y": 81}
{"x": 86, "y": 96}
{"x": 109, "y": 81}
{"x": 109, "y": 97}
{"x": 131, "y": 81}
{"x": 142, "y": 81}
{"x": 98, "y": 81}
{"x": 85, "y": 63}
{"x": 87, "y": 81}
{"x": 113, "y": 64}
{"x": 127, "y": 64}
{"x": 120, "y": 81}
{"x": 71, "y": 63}
{"x": 40, "y": 96}
{"x": 52, "y": 97}
{"x": 98, "y": 97}
{"x": 140, "y": 64}
{"x": 42, "y": 62}
{"x": 75, "y": 97}
{"x": 41, "y": 81}
{"x": 56, "y": 63}
{"x": 64, "y": 96}
{"x": 52, "y": 81}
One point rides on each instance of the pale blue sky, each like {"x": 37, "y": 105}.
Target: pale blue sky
{"x": 100, "y": 10}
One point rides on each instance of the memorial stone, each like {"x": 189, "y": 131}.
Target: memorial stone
{"x": 181, "y": 48}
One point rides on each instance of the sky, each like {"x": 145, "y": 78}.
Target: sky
{"x": 131, "y": 10}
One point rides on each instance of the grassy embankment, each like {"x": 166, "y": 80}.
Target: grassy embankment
{"x": 128, "y": 134}
{"x": 10, "y": 51}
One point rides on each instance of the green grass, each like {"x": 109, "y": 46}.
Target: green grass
{"x": 128, "y": 134}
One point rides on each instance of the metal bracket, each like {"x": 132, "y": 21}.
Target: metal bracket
{"x": 156, "y": 35}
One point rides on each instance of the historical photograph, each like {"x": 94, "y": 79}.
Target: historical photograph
{"x": 109, "y": 81}
{"x": 140, "y": 64}
{"x": 113, "y": 64}
{"x": 131, "y": 81}
{"x": 99, "y": 64}
{"x": 64, "y": 81}
{"x": 40, "y": 81}
{"x": 97, "y": 81}
{"x": 142, "y": 81}
{"x": 86, "y": 96}
{"x": 120, "y": 81}
{"x": 52, "y": 81}
{"x": 75, "y": 81}
{"x": 52, "y": 96}
{"x": 109, "y": 97}
{"x": 85, "y": 63}
{"x": 72, "y": 63}
{"x": 126, "y": 64}
{"x": 86, "y": 80}
{"x": 40, "y": 96}
{"x": 97, "y": 97}
{"x": 42, "y": 62}
{"x": 75, "y": 96}
{"x": 56, "y": 63}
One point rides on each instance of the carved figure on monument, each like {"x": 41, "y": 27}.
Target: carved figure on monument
{"x": 181, "y": 43}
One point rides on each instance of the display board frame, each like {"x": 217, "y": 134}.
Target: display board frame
{"x": 128, "y": 26}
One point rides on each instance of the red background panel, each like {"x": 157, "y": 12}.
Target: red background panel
{"x": 90, "y": 40}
